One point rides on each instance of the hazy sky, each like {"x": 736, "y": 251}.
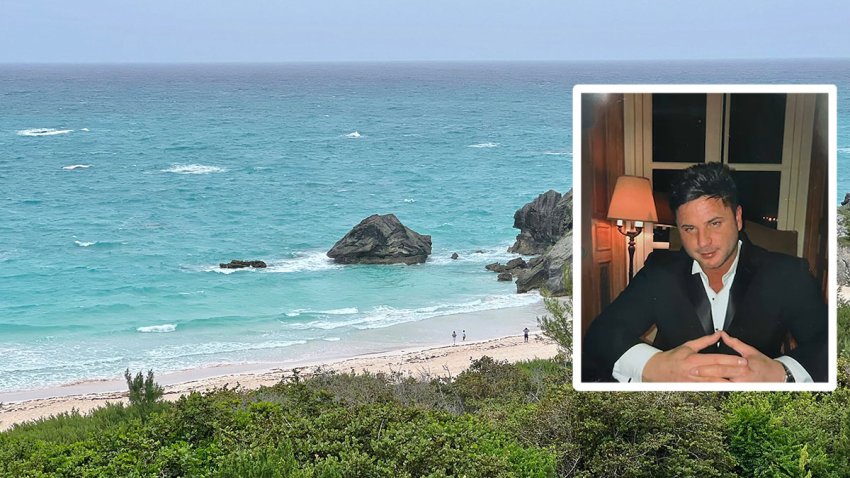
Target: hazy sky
{"x": 315, "y": 30}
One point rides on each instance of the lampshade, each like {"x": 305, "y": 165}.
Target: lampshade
{"x": 632, "y": 200}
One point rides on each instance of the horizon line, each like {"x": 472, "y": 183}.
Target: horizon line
{"x": 450, "y": 61}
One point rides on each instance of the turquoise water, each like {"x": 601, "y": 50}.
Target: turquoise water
{"x": 123, "y": 187}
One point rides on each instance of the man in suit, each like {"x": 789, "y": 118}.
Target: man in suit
{"x": 723, "y": 307}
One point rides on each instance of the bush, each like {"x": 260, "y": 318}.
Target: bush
{"x": 843, "y": 328}
{"x": 630, "y": 434}
{"x": 559, "y": 325}
{"x": 144, "y": 392}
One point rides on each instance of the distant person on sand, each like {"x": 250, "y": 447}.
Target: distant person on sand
{"x": 463, "y": 339}
{"x": 525, "y": 334}
{"x": 454, "y": 337}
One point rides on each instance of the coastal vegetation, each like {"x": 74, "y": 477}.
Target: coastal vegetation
{"x": 494, "y": 419}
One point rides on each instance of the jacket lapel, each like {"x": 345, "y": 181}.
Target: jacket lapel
{"x": 743, "y": 276}
{"x": 696, "y": 294}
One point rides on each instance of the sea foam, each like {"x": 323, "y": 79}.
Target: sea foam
{"x": 193, "y": 169}
{"x": 214, "y": 348}
{"x": 85, "y": 244}
{"x": 484, "y": 145}
{"x": 43, "y": 132}
{"x": 354, "y": 134}
{"x": 385, "y": 316}
{"x": 481, "y": 256}
{"x": 158, "y": 328}
{"x": 309, "y": 261}
{"x": 76, "y": 166}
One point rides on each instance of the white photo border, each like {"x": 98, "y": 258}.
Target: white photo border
{"x": 832, "y": 198}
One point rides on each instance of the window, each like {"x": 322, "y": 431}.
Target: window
{"x": 761, "y": 136}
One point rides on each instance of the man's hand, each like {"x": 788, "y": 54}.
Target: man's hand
{"x": 677, "y": 365}
{"x": 760, "y": 367}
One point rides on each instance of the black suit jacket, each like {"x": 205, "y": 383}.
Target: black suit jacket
{"x": 772, "y": 294}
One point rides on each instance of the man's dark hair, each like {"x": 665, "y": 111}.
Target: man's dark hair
{"x": 710, "y": 179}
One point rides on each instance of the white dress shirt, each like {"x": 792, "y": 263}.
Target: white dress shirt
{"x": 629, "y": 367}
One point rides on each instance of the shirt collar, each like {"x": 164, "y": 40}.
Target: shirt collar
{"x": 697, "y": 269}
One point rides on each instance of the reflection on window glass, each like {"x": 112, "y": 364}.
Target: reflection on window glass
{"x": 678, "y": 128}
{"x": 756, "y": 128}
{"x": 758, "y": 193}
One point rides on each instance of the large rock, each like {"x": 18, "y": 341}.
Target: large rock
{"x": 843, "y": 218}
{"x": 381, "y": 240}
{"x": 843, "y": 269}
{"x": 548, "y": 273}
{"x": 542, "y": 222}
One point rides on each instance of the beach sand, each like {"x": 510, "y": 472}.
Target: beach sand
{"x": 417, "y": 356}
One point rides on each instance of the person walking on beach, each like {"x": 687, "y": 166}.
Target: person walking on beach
{"x": 454, "y": 337}
{"x": 525, "y": 334}
{"x": 463, "y": 338}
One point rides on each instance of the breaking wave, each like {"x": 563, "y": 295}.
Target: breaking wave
{"x": 43, "y": 132}
{"x": 76, "y": 166}
{"x": 158, "y": 328}
{"x": 484, "y": 145}
{"x": 385, "y": 316}
{"x": 193, "y": 169}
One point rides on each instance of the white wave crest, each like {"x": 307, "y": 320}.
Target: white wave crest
{"x": 385, "y": 316}
{"x": 484, "y": 145}
{"x": 343, "y": 311}
{"x": 84, "y": 129}
{"x": 158, "y": 328}
{"x": 409, "y": 200}
{"x": 354, "y": 134}
{"x": 193, "y": 169}
{"x": 76, "y": 166}
{"x": 331, "y": 339}
{"x": 215, "y": 348}
{"x": 85, "y": 244}
{"x": 844, "y": 150}
{"x": 309, "y": 261}
{"x": 43, "y": 132}
{"x": 304, "y": 262}
{"x": 476, "y": 256}
{"x": 557, "y": 153}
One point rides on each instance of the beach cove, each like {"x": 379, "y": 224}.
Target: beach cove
{"x": 428, "y": 354}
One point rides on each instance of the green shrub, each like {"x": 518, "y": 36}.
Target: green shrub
{"x": 559, "y": 325}
{"x": 144, "y": 391}
{"x": 630, "y": 434}
{"x": 843, "y": 328}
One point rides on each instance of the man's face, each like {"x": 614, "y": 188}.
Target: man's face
{"x": 709, "y": 231}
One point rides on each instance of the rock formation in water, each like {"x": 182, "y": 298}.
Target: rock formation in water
{"x": 545, "y": 226}
{"x": 381, "y": 239}
{"x": 542, "y": 222}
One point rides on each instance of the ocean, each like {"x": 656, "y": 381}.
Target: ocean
{"x": 122, "y": 187}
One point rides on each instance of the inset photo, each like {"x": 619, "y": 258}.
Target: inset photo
{"x": 705, "y": 237}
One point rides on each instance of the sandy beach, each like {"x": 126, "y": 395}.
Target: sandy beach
{"x": 438, "y": 361}
{"x": 417, "y": 361}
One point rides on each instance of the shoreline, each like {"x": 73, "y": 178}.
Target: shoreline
{"x": 440, "y": 361}
{"x": 414, "y": 349}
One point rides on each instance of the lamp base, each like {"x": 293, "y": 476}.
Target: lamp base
{"x": 631, "y": 233}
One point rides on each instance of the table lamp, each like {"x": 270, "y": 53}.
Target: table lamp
{"x": 632, "y": 205}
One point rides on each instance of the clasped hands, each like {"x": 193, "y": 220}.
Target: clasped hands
{"x": 685, "y": 364}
